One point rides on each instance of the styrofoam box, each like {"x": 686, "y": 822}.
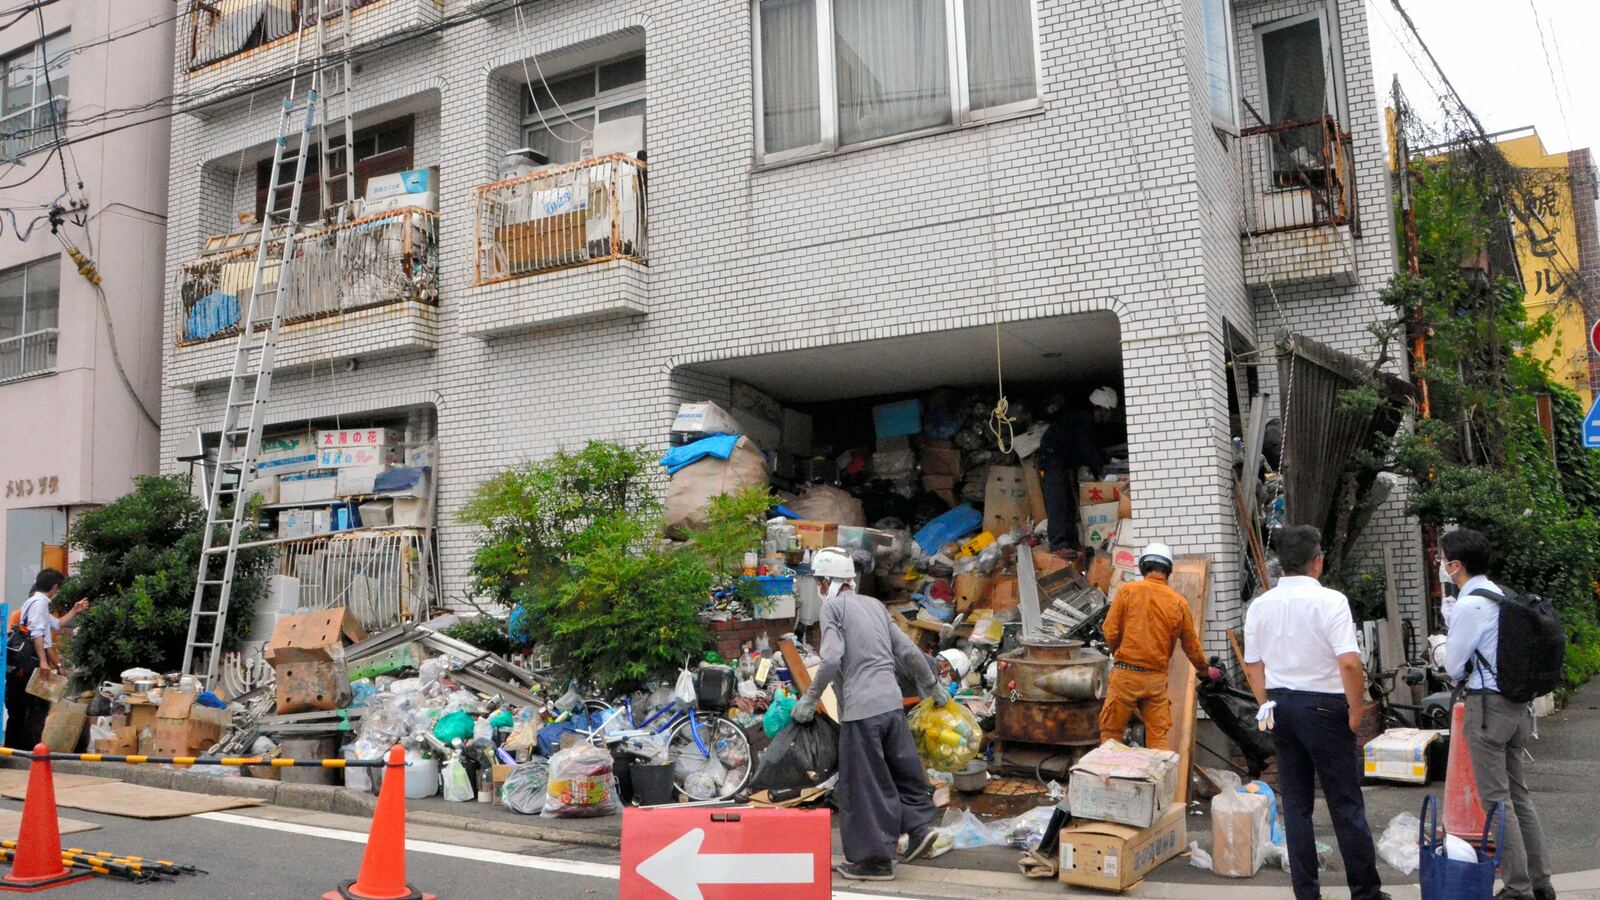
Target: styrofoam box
{"x": 357, "y": 481}
{"x": 704, "y": 418}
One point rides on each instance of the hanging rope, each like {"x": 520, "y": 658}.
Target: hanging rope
{"x": 1001, "y": 425}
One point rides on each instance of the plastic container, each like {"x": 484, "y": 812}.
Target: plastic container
{"x": 714, "y": 687}
{"x": 652, "y": 784}
{"x": 422, "y": 776}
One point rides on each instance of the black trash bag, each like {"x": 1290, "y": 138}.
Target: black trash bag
{"x": 1234, "y": 711}
{"x": 801, "y": 756}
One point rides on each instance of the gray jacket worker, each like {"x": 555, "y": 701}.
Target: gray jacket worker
{"x": 883, "y": 789}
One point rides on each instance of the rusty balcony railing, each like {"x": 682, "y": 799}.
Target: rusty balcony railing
{"x": 218, "y": 29}
{"x": 1296, "y": 175}
{"x": 372, "y": 261}
{"x": 587, "y": 212}
{"x": 27, "y": 355}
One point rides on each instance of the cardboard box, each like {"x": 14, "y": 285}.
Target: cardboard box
{"x": 1115, "y": 857}
{"x": 296, "y": 523}
{"x": 357, "y": 481}
{"x": 410, "y": 512}
{"x": 1126, "y": 785}
{"x": 141, "y": 715}
{"x": 945, "y": 461}
{"x": 47, "y": 685}
{"x": 1399, "y": 754}
{"x": 63, "y": 726}
{"x": 1091, "y": 493}
{"x": 1003, "y": 593}
{"x": 1037, "y": 511}
{"x": 971, "y": 589}
{"x": 307, "y": 657}
{"x": 936, "y": 483}
{"x": 497, "y": 776}
{"x": 1240, "y": 823}
{"x": 265, "y": 488}
{"x": 285, "y": 454}
{"x": 1005, "y": 500}
{"x": 1098, "y": 523}
{"x": 704, "y": 419}
{"x": 125, "y": 742}
{"x": 321, "y": 521}
{"x": 816, "y": 535}
{"x": 184, "y": 727}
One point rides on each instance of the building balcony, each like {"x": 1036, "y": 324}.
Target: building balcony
{"x": 216, "y": 35}
{"x": 28, "y": 355}
{"x": 1299, "y": 204}
{"x": 560, "y": 246}
{"x": 366, "y": 288}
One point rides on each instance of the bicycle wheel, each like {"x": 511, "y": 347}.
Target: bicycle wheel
{"x": 692, "y": 749}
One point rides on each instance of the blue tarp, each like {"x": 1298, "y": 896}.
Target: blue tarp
{"x": 210, "y": 314}
{"x": 952, "y": 526}
{"x": 720, "y": 446}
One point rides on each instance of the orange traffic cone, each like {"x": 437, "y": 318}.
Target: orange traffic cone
{"x": 1463, "y": 809}
{"x": 37, "y": 865}
{"x": 383, "y": 866}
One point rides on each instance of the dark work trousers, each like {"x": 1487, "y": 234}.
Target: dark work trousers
{"x": 25, "y": 713}
{"x": 1060, "y": 482}
{"x": 1313, "y": 738}
{"x": 883, "y": 790}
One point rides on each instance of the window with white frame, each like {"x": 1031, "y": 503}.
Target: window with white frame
{"x": 1218, "y": 25}
{"x": 30, "y": 302}
{"x": 564, "y": 114}
{"x": 33, "y": 95}
{"x": 840, "y": 73}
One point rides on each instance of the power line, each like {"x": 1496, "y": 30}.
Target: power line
{"x": 1555, "y": 86}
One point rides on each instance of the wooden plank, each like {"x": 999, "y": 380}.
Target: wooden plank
{"x": 828, "y": 703}
{"x": 1391, "y": 648}
{"x": 1191, "y": 577}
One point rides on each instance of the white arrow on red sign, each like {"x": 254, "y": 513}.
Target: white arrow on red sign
{"x": 680, "y": 868}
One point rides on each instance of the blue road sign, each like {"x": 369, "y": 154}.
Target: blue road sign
{"x": 1591, "y": 426}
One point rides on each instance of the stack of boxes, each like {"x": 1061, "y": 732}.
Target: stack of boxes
{"x": 1126, "y": 823}
{"x": 333, "y": 480}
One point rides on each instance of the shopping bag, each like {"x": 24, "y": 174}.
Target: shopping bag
{"x": 1450, "y": 879}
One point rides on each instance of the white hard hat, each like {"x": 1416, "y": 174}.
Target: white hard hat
{"x": 834, "y": 563}
{"x": 1156, "y": 551}
{"x": 958, "y": 661}
{"x": 1104, "y": 397}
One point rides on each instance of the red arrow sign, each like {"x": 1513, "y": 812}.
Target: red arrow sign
{"x": 721, "y": 854}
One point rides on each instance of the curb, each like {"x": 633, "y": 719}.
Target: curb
{"x": 316, "y": 798}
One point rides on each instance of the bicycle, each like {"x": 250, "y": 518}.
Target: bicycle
{"x": 692, "y": 736}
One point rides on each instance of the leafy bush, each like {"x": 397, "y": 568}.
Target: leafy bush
{"x": 574, "y": 540}
{"x": 140, "y": 556}
{"x": 487, "y": 633}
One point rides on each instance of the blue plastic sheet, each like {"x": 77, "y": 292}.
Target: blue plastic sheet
{"x": 952, "y": 526}
{"x": 210, "y": 314}
{"x": 720, "y": 446}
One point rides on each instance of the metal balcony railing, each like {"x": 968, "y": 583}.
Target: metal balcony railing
{"x": 1296, "y": 175}
{"x": 218, "y": 29}
{"x": 587, "y": 212}
{"x": 372, "y": 261}
{"x": 27, "y": 355}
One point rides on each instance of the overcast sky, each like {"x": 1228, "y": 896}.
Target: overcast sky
{"x": 1492, "y": 52}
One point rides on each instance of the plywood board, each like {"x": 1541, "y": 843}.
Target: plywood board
{"x": 11, "y": 824}
{"x": 14, "y": 782}
{"x": 140, "y": 802}
{"x": 827, "y": 703}
{"x": 1191, "y": 577}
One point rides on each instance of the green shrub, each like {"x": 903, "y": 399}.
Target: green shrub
{"x": 141, "y": 553}
{"x": 487, "y": 633}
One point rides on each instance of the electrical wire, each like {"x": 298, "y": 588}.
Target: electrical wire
{"x": 111, "y": 336}
{"x": 528, "y": 79}
{"x": 1555, "y": 85}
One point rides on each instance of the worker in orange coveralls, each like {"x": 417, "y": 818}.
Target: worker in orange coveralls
{"x": 1145, "y": 620}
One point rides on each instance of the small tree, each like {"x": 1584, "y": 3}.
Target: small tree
{"x": 140, "y": 556}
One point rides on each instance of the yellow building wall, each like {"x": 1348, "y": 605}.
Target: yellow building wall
{"x": 1547, "y": 254}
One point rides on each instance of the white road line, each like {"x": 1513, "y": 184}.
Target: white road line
{"x": 498, "y": 857}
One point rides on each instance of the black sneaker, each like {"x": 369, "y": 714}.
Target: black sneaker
{"x": 880, "y": 871}
{"x": 1544, "y": 893}
{"x": 921, "y": 843}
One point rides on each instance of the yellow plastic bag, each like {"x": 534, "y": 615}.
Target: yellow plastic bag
{"x": 948, "y": 737}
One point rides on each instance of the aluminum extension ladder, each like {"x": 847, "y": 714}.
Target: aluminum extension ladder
{"x": 250, "y": 383}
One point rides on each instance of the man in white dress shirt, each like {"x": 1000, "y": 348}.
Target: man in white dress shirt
{"x": 1304, "y": 667}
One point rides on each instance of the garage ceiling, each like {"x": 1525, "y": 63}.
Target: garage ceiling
{"x": 1081, "y": 348}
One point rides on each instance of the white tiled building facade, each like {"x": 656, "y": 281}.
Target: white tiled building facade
{"x": 1114, "y": 193}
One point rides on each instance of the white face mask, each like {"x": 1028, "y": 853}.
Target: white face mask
{"x": 1445, "y": 581}
{"x": 835, "y": 585}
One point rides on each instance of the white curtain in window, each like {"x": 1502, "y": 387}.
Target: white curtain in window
{"x": 892, "y": 62}
{"x": 1219, "y": 70}
{"x": 790, "y": 96}
{"x": 1000, "y": 52}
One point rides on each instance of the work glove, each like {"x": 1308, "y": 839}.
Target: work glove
{"x": 940, "y": 696}
{"x": 1213, "y": 674}
{"x": 805, "y": 710}
{"x": 1264, "y": 715}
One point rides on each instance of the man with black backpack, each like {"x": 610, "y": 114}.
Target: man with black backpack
{"x": 1509, "y": 649}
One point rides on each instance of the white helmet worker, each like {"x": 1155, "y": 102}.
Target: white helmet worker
{"x": 1104, "y": 397}
{"x": 960, "y": 663}
{"x": 835, "y": 565}
{"x": 1158, "y": 553}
